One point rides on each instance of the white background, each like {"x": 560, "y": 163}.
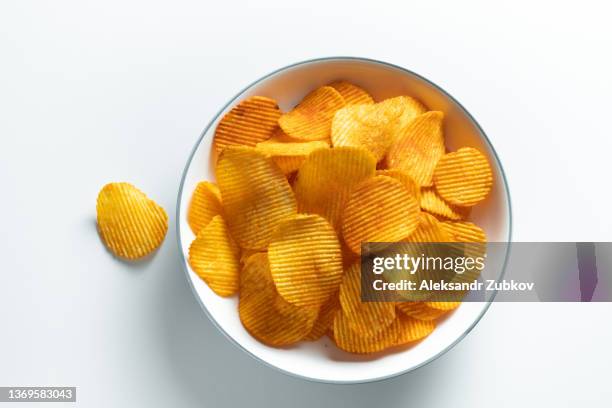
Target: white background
{"x": 92, "y": 92}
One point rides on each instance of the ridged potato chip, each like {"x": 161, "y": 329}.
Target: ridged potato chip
{"x": 325, "y": 179}
{"x": 429, "y": 230}
{"x": 352, "y": 94}
{"x": 463, "y": 177}
{"x": 130, "y": 224}
{"x": 264, "y": 313}
{"x": 463, "y": 231}
{"x": 411, "y": 329}
{"x": 380, "y": 209}
{"x": 352, "y": 341}
{"x": 426, "y": 311}
{"x": 288, "y": 156}
{"x": 474, "y": 239}
{"x": 365, "y": 318}
{"x": 256, "y": 195}
{"x": 305, "y": 260}
{"x": 373, "y": 127}
{"x": 434, "y": 204}
{"x": 215, "y": 257}
{"x": 408, "y": 182}
{"x": 325, "y": 320}
{"x": 418, "y": 148}
{"x": 251, "y": 121}
{"x": 205, "y": 204}
{"x": 311, "y": 119}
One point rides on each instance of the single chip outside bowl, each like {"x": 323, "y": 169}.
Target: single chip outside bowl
{"x": 321, "y": 360}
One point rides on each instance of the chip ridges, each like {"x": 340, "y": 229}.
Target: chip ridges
{"x": 305, "y": 260}
{"x": 325, "y": 179}
{"x": 264, "y": 313}
{"x": 204, "y": 205}
{"x": 418, "y": 147}
{"x": 379, "y": 209}
{"x": 352, "y": 94}
{"x": 256, "y": 195}
{"x": 365, "y": 318}
{"x": 215, "y": 257}
{"x": 434, "y": 204}
{"x": 311, "y": 119}
{"x": 463, "y": 177}
{"x": 130, "y": 224}
{"x": 251, "y": 121}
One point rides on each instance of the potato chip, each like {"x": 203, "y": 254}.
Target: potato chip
{"x": 325, "y": 320}
{"x": 352, "y": 341}
{"x": 256, "y": 195}
{"x": 326, "y": 177}
{"x": 373, "y": 127}
{"x": 434, "y": 204}
{"x": 365, "y": 318}
{"x": 265, "y": 314}
{"x": 463, "y": 231}
{"x": 475, "y": 245}
{"x": 412, "y": 187}
{"x": 130, "y": 224}
{"x": 380, "y": 209}
{"x": 426, "y": 311}
{"x": 463, "y": 177}
{"x": 251, "y": 121}
{"x": 215, "y": 257}
{"x": 288, "y": 156}
{"x": 305, "y": 260}
{"x": 205, "y": 204}
{"x": 418, "y": 148}
{"x": 430, "y": 230}
{"x": 411, "y": 329}
{"x": 245, "y": 254}
{"x": 352, "y": 94}
{"x": 311, "y": 119}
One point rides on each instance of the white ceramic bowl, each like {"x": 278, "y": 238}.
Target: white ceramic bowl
{"x": 322, "y": 361}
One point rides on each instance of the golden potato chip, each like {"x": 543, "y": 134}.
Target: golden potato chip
{"x": 305, "y": 260}
{"x": 434, "y": 204}
{"x": 288, "y": 156}
{"x": 364, "y": 318}
{"x": 426, "y": 311}
{"x": 429, "y": 230}
{"x": 352, "y": 341}
{"x": 463, "y": 231}
{"x": 380, "y": 209}
{"x": 412, "y": 187}
{"x": 251, "y": 121}
{"x": 373, "y": 127}
{"x": 130, "y": 224}
{"x": 475, "y": 245}
{"x": 245, "y": 254}
{"x": 256, "y": 195}
{"x": 205, "y": 204}
{"x": 326, "y": 177}
{"x": 352, "y": 94}
{"x": 411, "y": 329}
{"x": 215, "y": 257}
{"x": 325, "y": 320}
{"x": 463, "y": 177}
{"x": 418, "y": 147}
{"x": 311, "y": 119}
{"x": 265, "y": 314}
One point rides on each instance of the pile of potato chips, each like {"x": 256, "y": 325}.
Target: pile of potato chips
{"x": 297, "y": 193}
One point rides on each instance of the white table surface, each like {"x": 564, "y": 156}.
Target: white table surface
{"x": 92, "y": 92}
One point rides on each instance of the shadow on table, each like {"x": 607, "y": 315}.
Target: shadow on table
{"x": 213, "y": 372}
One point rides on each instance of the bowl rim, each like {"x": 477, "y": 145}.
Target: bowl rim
{"x": 232, "y": 100}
